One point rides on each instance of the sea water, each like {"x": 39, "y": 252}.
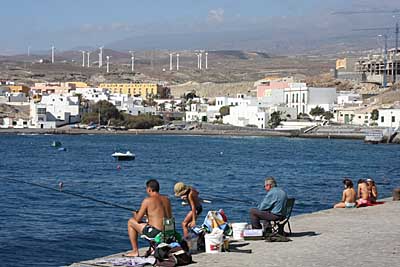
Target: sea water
{"x": 41, "y": 227}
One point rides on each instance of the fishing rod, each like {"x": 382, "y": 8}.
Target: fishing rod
{"x": 69, "y": 193}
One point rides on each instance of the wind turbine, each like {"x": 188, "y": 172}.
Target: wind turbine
{"x": 132, "y": 60}
{"x": 206, "y": 60}
{"x": 108, "y": 63}
{"x": 83, "y": 57}
{"x": 29, "y": 51}
{"x": 101, "y": 56}
{"x": 88, "y": 59}
{"x": 177, "y": 61}
{"x": 52, "y": 53}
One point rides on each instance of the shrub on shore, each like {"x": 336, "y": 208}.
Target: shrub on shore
{"x": 109, "y": 115}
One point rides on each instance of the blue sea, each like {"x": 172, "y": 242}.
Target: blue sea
{"x": 40, "y": 227}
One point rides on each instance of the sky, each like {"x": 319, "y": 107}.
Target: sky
{"x": 70, "y": 24}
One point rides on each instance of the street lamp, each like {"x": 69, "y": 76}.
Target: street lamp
{"x": 384, "y": 60}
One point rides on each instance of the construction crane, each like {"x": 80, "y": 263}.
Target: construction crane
{"x": 394, "y": 12}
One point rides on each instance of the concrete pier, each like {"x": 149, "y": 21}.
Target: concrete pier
{"x": 335, "y": 237}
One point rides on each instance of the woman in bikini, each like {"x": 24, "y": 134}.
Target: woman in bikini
{"x": 191, "y": 195}
{"x": 348, "y": 196}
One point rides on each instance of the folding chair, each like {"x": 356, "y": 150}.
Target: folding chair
{"x": 167, "y": 235}
{"x": 279, "y": 225}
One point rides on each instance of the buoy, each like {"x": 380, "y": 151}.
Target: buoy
{"x": 118, "y": 167}
{"x": 60, "y": 185}
{"x": 221, "y": 153}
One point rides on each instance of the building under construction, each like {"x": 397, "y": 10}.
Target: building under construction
{"x": 380, "y": 69}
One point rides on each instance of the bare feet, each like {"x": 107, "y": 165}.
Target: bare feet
{"x": 132, "y": 254}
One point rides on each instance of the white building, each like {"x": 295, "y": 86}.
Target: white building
{"x": 168, "y": 104}
{"x": 93, "y": 94}
{"x": 389, "y": 117}
{"x": 55, "y": 110}
{"x": 131, "y": 105}
{"x": 239, "y": 100}
{"x": 348, "y": 98}
{"x": 247, "y": 116}
{"x": 10, "y": 122}
{"x": 304, "y": 98}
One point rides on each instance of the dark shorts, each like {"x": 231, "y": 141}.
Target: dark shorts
{"x": 150, "y": 231}
{"x": 199, "y": 209}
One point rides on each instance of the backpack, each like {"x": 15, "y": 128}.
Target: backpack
{"x": 276, "y": 237}
{"x": 171, "y": 257}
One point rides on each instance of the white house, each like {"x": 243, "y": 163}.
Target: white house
{"x": 93, "y": 94}
{"x": 239, "y": 100}
{"x": 197, "y": 113}
{"x": 55, "y": 110}
{"x": 10, "y": 122}
{"x": 389, "y": 117}
{"x": 247, "y": 116}
{"x": 348, "y": 98}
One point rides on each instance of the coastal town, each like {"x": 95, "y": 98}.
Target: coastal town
{"x": 274, "y": 103}
{"x": 199, "y": 133}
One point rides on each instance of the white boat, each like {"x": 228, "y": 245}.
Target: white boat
{"x": 373, "y": 137}
{"x": 123, "y": 156}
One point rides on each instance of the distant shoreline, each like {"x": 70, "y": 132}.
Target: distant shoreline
{"x": 203, "y": 132}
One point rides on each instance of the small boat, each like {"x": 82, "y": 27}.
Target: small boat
{"x": 123, "y": 156}
{"x": 56, "y": 144}
{"x": 62, "y": 149}
{"x": 374, "y": 137}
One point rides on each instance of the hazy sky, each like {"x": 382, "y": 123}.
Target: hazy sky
{"x": 73, "y": 23}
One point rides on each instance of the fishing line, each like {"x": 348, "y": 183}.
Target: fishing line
{"x": 231, "y": 199}
{"x": 69, "y": 193}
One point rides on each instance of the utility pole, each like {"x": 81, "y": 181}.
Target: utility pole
{"x": 395, "y": 54}
{"x": 170, "y": 61}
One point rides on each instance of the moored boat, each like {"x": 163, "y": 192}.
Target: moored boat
{"x": 373, "y": 138}
{"x": 56, "y": 144}
{"x": 123, "y": 156}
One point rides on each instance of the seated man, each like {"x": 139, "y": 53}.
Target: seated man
{"x": 155, "y": 207}
{"x": 271, "y": 208}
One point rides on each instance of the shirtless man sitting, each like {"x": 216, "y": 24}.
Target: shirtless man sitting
{"x": 155, "y": 207}
{"x": 362, "y": 193}
{"x": 348, "y": 197}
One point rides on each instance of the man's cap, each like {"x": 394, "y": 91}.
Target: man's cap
{"x": 180, "y": 189}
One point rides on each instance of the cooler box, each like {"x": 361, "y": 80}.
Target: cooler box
{"x": 253, "y": 234}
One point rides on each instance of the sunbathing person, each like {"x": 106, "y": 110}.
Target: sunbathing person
{"x": 348, "y": 196}
{"x": 372, "y": 191}
{"x": 156, "y": 207}
{"x": 190, "y": 194}
{"x": 362, "y": 194}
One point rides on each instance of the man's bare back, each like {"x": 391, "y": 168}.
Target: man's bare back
{"x": 156, "y": 208}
